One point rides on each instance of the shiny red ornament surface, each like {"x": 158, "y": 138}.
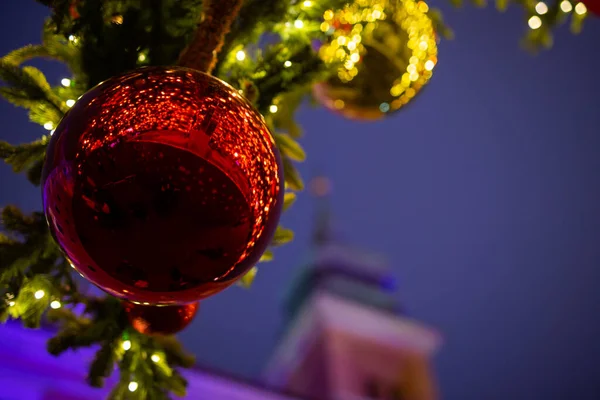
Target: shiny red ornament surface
{"x": 160, "y": 320}
{"x": 162, "y": 186}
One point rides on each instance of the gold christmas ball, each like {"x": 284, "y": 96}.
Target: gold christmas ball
{"x": 384, "y": 51}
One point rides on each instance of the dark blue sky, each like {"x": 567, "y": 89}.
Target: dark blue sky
{"x": 484, "y": 195}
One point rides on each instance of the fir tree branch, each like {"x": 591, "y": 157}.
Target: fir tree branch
{"x": 215, "y": 23}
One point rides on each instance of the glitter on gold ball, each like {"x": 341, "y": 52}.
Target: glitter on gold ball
{"x": 385, "y": 52}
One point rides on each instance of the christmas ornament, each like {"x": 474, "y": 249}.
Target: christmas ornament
{"x": 592, "y": 6}
{"x": 385, "y": 51}
{"x": 162, "y": 320}
{"x": 73, "y": 10}
{"x": 162, "y": 186}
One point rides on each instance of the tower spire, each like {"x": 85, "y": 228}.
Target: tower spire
{"x": 320, "y": 188}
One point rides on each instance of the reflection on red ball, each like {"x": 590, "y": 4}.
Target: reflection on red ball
{"x": 162, "y": 186}
{"x": 160, "y": 320}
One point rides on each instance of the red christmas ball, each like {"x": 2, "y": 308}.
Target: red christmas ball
{"x": 73, "y": 9}
{"x": 161, "y": 320}
{"x": 593, "y": 6}
{"x": 162, "y": 185}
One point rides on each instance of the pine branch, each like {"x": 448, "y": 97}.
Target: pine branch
{"x": 255, "y": 18}
{"x": 215, "y": 23}
{"x": 23, "y": 156}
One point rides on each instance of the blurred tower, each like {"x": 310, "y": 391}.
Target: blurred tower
{"x": 345, "y": 338}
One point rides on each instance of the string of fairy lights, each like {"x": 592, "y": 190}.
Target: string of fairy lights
{"x": 541, "y": 9}
{"x": 126, "y": 344}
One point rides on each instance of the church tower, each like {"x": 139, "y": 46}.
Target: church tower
{"x": 345, "y": 336}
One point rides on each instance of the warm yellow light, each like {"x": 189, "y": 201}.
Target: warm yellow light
{"x": 287, "y": 64}
{"x": 70, "y": 103}
{"x": 307, "y": 3}
{"x": 39, "y": 294}
{"x": 55, "y": 304}
{"x": 48, "y": 126}
{"x": 411, "y": 69}
{"x": 155, "y": 358}
{"x": 66, "y": 82}
{"x": 339, "y": 104}
{"x": 566, "y": 6}
{"x": 240, "y": 55}
{"x": 328, "y": 15}
{"x": 273, "y": 109}
{"x": 73, "y": 38}
{"x": 11, "y": 303}
{"x": 126, "y": 345}
{"x": 541, "y": 8}
{"x": 299, "y": 23}
{"x": 132, "y": 386}
{"x": 534, "y": 22}
{"x": 429, "y": 65}
{"x": 580, "y": 8}
{"x": 355, "y": 57}
{"x": 324, "y": 27}
{"x": 352, "y": 45}
{"x": 52, "y": 132}
{"x": 376, "y": 14}
{"x": 142, "y": 57}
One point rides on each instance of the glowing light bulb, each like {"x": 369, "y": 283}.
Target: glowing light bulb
{"x": 541, "y": 8}
{"x": 11, "y": 303}
{"x": 240, "y": 55}
{"x": 307, "y": 3}
{"x": 66, "y": 82}
{"x": 48, "y": 126}
{"x": 287, "y": 64}
{"x": 155, "y": 358}
{"x": 534, "y": 22}
{"x": 132, "y": 386}
{"x": 55, "y": 304}
{"x": 73, "y": 39}
{"x": 39, "y": 294}
{"x": 566, "y": 6}
{"x": 429, "y": 65}
{"x": 142, "y": 57}
{"x": 126, "y": 345}
{"x": 580, "y": 8}
{"x": 273, "y": 108}
{"x": 70, "y": 103}
{"x": 299, "y": 23}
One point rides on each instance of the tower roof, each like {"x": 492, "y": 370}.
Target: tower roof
{"x": 337, "y": 267}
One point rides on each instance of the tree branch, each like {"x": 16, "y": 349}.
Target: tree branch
{"x": 215, "y": 22}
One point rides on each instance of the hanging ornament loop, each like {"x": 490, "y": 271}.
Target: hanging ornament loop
{"x": 215, "y": 23}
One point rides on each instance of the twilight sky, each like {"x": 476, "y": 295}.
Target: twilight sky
{"x": 484, "y": 195}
